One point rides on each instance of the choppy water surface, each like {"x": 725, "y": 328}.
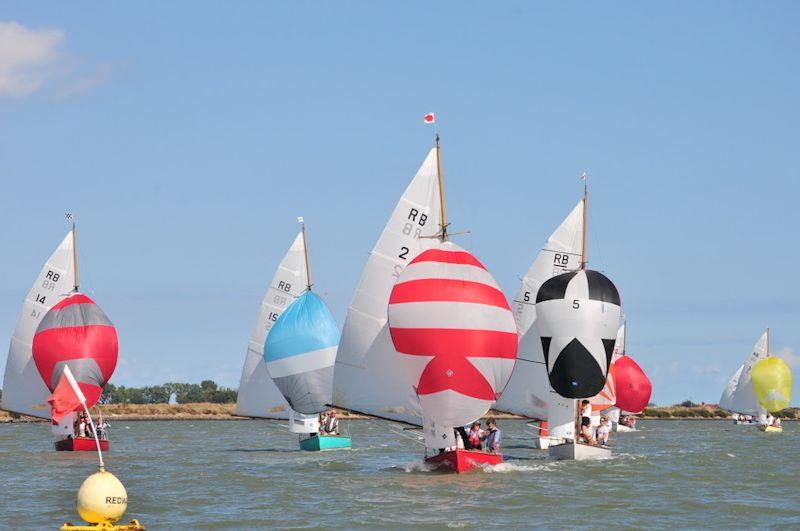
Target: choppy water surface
{"x": 237, "y": 474}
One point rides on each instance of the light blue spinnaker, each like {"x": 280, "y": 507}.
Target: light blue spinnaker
{"x": 300, "y": 351}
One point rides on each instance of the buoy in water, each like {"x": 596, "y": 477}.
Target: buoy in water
{"x": 102, "y": 498}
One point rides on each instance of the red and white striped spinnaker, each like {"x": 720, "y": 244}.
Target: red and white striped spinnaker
{"x": 454, "y": 332}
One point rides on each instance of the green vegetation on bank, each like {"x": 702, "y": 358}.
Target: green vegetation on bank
{"x": 206, "y": 392}
{"x": 688, "y": 409}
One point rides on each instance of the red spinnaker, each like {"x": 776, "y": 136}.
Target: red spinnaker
{"x": 632, "y": 385}
{"x": 75, "y": 332}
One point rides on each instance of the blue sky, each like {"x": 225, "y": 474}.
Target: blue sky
{"x": 187, "y": 137}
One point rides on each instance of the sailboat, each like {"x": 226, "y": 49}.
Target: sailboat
{"x": 578, "y": 314}
{"x": 258, "y": 396}
{"x": 772, "y": 383}
{"x": 528, "y": 391}
{"x": 739, "y": 395}
{"x": 59, "y": 327}
{"x": 457, "y": 340}
{"x": 299, "y": 352}
{"x": 627, "y": 390}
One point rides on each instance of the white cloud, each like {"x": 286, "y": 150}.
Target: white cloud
{"x": 710, "y": 368}
{"x": 31, "y": 60}
{"x": 788, "y": 355}
{"x": 85, "y": 83}
{"x": 27, "y": 57}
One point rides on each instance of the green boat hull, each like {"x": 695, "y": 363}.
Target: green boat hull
{"x": 328, "y": 442}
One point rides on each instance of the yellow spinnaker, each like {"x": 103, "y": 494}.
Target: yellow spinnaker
{"x": 772, "y": 382}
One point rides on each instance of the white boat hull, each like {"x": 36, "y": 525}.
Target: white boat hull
{"x": 623, "y": 429}
{"x": 541, "y": 443}
{"x": 579, "y": 452}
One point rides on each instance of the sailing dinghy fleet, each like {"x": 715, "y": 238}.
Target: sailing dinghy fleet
{"x": 429, "y": 341}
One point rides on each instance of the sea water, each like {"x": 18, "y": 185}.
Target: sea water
{"x": 250, "y": 474}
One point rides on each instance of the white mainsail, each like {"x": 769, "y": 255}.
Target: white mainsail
{"x": 528, "y": 392}
{"x": 739, "y": 395}
{"x": 367, "y": 370}
{"x": 619, "y": 345}
{"x": 24, "y": 390}
{"x": 258, "y": 396}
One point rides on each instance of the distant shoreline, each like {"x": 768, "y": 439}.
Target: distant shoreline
{"x": 208, "y": 411}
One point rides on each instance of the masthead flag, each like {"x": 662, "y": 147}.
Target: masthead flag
{"x": 430, "y": 118}
{"x": 583, "y": 176}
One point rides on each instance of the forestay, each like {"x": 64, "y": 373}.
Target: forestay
{"x": 739, "y": 395}
{"x": 24, "y": 390}
{"x": 367, "y": 369}
{"x": 258, "y": 395}
{"x": 528, "y": 390}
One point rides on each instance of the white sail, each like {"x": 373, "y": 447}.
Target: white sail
{"x": 258, "y": 395}
{"x": 24, "y": 391}
{"x": 726, "y": 401}
{"x": 619, "y": 345}
{"x": 367, "y": 370}
{"x": 528, "y": 392}
{"x": 561, "y": 418}
{"x": 743, "y": 398}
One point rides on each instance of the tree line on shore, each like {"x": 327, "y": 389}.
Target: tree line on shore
{"x": 185, "y": 393}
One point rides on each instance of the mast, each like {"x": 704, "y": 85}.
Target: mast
{"x": 442, "y": 205}
{"x": 767, "y": 341}
{"x": 76, "y": 284}
{"x": 625, "y": 337}
{"x": 305, "y": 252}
{"x": 585, "y": 210}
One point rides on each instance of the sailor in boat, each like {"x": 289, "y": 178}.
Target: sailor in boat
{"x": 603, "y": 431}
{"x": 492, "y": 437}
{"x": 330, "y": 425}
{"x": 586, "y": 430}
{"x": 102, "y": 429}
{"x": 475, "y": 436}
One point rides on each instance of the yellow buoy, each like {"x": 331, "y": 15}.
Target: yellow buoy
{"x": 102, "y": 498}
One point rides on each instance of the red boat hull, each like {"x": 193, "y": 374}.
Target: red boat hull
{"x": 464, "y": 460}
{"x": 81, "y": 444}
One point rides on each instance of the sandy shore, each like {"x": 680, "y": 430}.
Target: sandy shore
{"x": 208, "y": 411}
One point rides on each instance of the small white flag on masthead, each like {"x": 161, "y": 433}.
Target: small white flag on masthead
{"x": 583, "y": 176}
{"x": 68, "y": 216}
{"x": 300, "y": 219}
